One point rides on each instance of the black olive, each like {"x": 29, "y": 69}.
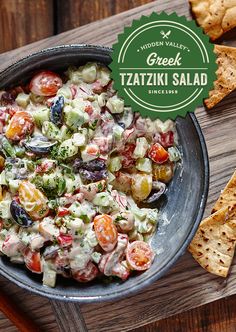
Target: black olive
{"x": 88, "y": 176}
{"x": 39, "y": 145}
{"x": 121, "y": 124}
{"x": 78, "y": 163}
{"x": 19, "y": 215}
{"x": 155, "y": 195}
{"x": 125, "y": 119}
{"x": 65, "y": 271}
{"x": 12, "y": 160}
{"x": 56, "y": 114}
{"x": 93, "y": 165}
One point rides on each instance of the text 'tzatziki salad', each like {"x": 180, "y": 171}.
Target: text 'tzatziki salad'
{"x": 76, "y": 169}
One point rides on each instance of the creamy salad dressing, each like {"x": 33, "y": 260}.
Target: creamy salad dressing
{"x": 80, "y": 174}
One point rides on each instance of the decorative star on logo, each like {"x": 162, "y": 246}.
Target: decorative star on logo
{"x": 165, "y": 35}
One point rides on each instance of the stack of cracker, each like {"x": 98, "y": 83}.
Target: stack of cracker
{"x": 214, "y": 243}
{"x": 217, "y": 17}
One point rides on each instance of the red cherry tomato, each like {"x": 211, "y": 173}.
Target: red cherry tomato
{"x": 45, "y": 83}
{"x": 167, "y": 139}
{"x": 64, "y": 240}
{"x": 87, "y": 274}
{"x": 105, "y": 231}
{"x": 158, "y": 154}
{"x": 127, "y": 156}
{"x": 139, "y": 255}
{"x": 62, "y": 212}
{"x": 33, "y": 261}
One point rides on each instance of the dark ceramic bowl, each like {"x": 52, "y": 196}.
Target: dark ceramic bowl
{"x": 180, "y": 212}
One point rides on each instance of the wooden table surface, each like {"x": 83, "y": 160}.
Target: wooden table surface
{"x": 186, "y": 286}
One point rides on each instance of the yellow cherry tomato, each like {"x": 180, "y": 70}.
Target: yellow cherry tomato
{"x": 20, "y": 125}
{"x": 163, "y": 173}
{"x": 33, "y": 200}
{"x": 141, "y": 186}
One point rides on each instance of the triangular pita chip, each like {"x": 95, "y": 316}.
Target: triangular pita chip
{"x": 214, "y": 243}
{"x": 226, "y": 75}
{"x": 227, "y": 196}
{"x": 215, "y": 16}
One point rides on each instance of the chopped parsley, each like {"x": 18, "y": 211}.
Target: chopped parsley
{"x": 93, "y": 125}
{"x": 100, "y": 187}
{"x": 119, "y": 218}
{"x": 85, "y": 218}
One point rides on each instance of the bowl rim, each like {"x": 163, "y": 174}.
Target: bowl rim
{"x": 142, "y": 284}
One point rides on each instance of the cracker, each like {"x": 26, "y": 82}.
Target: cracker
{"x": 215, "y": 16}
{"x": 226, "y": 75}
{"x": 227, "y": 196}
{"x": 213, "y": 245}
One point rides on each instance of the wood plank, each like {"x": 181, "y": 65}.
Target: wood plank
{"x": 69, "y": 317}
{"x": 90, "y": 11}
{"x": 103, "y": 32}
{"x": 23, "y": 22}
{"x": 36, "y": 306}
{"x": 217, "y": 316}
{"x": 186, "y": 285}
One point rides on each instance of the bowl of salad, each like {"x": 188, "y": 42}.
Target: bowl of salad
{"x": 96, "y": 202}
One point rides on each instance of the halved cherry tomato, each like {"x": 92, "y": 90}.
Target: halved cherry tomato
{"x": 163, "y": 172}
{"x": 158, "y": 154}
{"x": 20, "y": 125}
{"x": 33, "y": 261}
{"x": 64, "y": 240}
{"x": 45, "y": 83}
{"x": 62, "y": 212}
{"x": 127, "y": 156}
{"x": 141, "y": 186}
{"x": 87, "y": 274}
{"x": 139, "y": 255}
{"x": 167, "y": 139}
{"x": 33, "y": 200}
{"x": 105, "y": 231}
